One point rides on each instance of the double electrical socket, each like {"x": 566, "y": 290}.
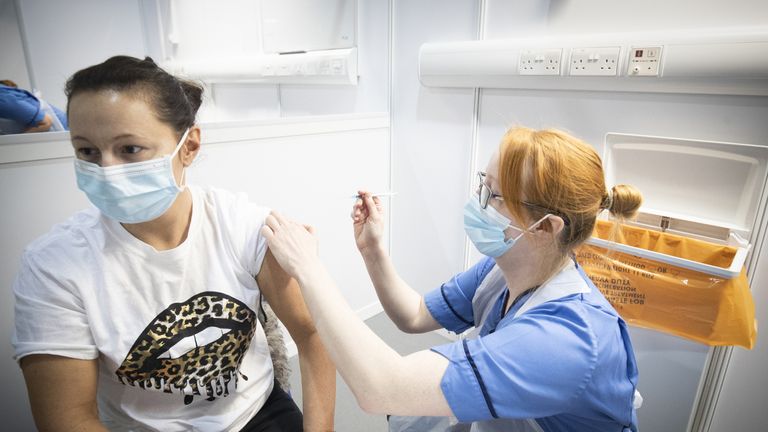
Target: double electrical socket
{"x": 602, "y": 61}
{"x": 540, "y": 62}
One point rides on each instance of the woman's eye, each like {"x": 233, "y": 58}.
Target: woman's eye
{"x": 131, "y": 149}
{"x": 87, "y": 152}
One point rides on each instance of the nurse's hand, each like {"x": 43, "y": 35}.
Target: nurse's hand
{"x": 293, "y": 245}
{"x": 368, "y": 222}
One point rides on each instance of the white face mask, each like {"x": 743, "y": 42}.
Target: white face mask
{"x": 133, "y": 192}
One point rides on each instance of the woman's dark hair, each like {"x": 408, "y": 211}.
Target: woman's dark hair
{"x": 175, "y": 101}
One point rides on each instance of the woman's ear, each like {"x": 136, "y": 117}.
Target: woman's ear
{"x": 552, "y": 224}
{"x": 192, "y": 147}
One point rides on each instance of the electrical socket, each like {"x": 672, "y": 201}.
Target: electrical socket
{"x": 644, "y": 61}
{"x": 594, "y": 61}
{"x": 540, "y": 62}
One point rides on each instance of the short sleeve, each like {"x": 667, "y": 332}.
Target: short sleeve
{"x": 20, "y": 106}
{"x": 241, "y": 221}
{"x": 256, "y": 244}
{"x": 49, "y": 316}
{"x": 534, "y": 367}
{"x": 451, "y": 303}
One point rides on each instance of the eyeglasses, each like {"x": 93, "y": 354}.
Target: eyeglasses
{"x": 485, "y": 194}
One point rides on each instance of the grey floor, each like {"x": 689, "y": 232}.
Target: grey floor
{"x": 349, "y": 417}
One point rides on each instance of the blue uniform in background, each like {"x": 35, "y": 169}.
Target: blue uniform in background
{"x": 20, "y": 110}
{"x": 559, "y": 360}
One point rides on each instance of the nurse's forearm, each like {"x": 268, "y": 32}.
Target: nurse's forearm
{"x": 404, "y": 306}
{"x": 381, "y": 380}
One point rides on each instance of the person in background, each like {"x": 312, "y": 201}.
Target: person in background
{"x": 142, "y": 313}
{"x": 548, "y": 353}
{"x": 23, "y": 112}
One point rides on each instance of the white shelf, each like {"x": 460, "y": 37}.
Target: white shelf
{"x": 338, "y": 66}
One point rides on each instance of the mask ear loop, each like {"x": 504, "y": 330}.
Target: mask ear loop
{"x": 181, "y": 143}
{"x": 183, "y": 178}
{"x": 534, "y": 225}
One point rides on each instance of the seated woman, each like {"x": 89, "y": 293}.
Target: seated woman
{"x": 550, "y": 353}
{"x": 142, "y": 313}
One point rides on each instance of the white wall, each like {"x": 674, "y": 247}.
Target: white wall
{"x": 305, "y": 169}
{"x": 13, "y": 66}
{"x": 589, "y": 16}
{"x": 64, "y": 37}
{"x": 432, "y": 137}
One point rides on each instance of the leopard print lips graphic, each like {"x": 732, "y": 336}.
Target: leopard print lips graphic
{"x": 164, "y": 356}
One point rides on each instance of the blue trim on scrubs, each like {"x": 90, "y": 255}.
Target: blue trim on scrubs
{"x": 456, "y": 314}
{"x": 480, "y": 381}
{"x": 568, "y": 362}
{"x": 534, "y": 367}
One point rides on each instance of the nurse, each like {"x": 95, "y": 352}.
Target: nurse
{"x": 141, "y": 314}
{"x": 549, "y": 353}
{"x": 23, "y": 112}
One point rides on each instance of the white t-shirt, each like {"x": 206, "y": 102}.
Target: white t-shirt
{"x": 176, "y": 332}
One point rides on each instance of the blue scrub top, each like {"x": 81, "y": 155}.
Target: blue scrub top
{"x": 21, "y": 110}
{"x": 568, "y": 363}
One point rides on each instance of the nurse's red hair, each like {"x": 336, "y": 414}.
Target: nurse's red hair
{"x": 550, "y": 171}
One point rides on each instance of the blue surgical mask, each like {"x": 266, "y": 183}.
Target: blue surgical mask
{"x": 133, "y": 192}
{"x": 485, "y": 228}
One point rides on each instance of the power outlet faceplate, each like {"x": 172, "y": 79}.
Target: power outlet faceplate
{"x": 595, "y": 61}
{"x": 644, "y": 61}
{"x": 540, "y": 62}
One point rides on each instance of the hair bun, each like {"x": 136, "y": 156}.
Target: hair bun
{"x": 623, "y": 201}
{"x": 193, "y": 92}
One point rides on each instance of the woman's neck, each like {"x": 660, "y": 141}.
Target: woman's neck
{"x": 170, "y": 229}
{"x": 524, "y": 271}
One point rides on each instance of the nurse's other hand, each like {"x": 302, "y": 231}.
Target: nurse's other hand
{"x": 368, "y": 222}
{"x": 293, "y": 245}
